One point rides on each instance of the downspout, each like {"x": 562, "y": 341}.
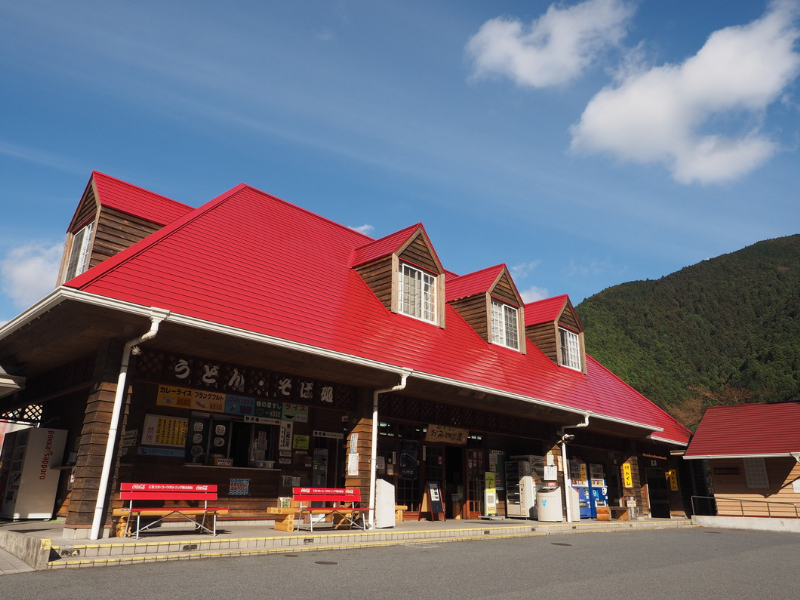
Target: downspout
{"x": 373, "y": 466}
{"x": 565, "y": 437}
{"x": 156, "y": 316}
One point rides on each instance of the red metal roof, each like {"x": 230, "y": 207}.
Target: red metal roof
{"x": 544, "y": 311}
{"x": 136, "y": 201}
{"x": 470, "y": 284}
{"x": 252, "y": 261}
{"x": 747, "y": 430}
{"x": 385, "y": 246}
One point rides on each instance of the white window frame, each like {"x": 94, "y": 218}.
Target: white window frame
{"x": 79, "y": 253}
{"x": 570, "y": 349}
{"x": 505, "y": 325}
{"x": 417, "y": 293}
{"x": 755, "y": 470}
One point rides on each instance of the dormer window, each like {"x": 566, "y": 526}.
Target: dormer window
{"x": 570, "y": 349}
{"x": 79, "y": 253}
{"x": 504, "y": 325}
{"x": 417, "y": 293}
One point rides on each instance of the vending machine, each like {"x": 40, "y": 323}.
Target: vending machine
{"x": 28, "y": 479}
{"x": 580, "y": 483}
{"x": 598, "y": 486}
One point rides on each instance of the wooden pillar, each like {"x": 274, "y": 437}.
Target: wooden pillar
{"x": 360, "y": 440}
{"x": 635, "y": 490}
{"x": 93, "y": 440}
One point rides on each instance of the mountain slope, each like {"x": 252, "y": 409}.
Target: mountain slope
{"x": 725, "y": 330}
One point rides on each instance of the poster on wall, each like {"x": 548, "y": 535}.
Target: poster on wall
{"x": 197, "y": 440}
{"x": 285, "y": 435}
{"x": 295, "y": 412}
{"x": 239, "y": 487}
{"x": 300, "y": 442}
{"x": 164, "y": 431}
{"x": 352, "y": 465}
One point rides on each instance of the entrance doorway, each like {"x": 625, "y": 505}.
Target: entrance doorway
{"x": 658, "y": 493}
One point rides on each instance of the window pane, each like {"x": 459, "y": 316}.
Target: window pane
{"x": 504, "y": 325}
{"x": 417, "y": 293}
{"x": 79, "y": 253}
{"x": 570, "y": 349}
{"x": 512, "y": 339}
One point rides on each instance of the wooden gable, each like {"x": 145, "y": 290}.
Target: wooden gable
{"x": 113, "y": 229}
{"x": 546, "y": 337}
{"x": 383, "y": 274}
{"x": 476, "y": 307}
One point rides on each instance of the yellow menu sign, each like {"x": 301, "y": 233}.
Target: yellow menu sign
{"x": 627, "y": 476}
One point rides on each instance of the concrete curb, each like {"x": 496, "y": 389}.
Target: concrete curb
{"x": 34, "y": 552}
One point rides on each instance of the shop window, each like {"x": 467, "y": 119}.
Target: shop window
{"x": 227, "y": 442}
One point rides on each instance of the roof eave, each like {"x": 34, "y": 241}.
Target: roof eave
{"x": 759, "y": 455}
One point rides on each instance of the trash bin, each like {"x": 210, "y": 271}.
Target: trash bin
{"x": 548, "y": 504}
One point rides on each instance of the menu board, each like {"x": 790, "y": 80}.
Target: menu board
{"x": 164, "y": 431}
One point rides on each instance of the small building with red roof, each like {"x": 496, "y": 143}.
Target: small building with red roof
{"x": 251, "y": 340}
{"x": 753, "y": 454}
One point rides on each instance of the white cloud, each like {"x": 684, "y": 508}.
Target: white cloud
{"x": 29, "y": 273}
{"x": 556, "y": 48}
{"x": 662, "y": 115}
{"x": 522, "y": 270}
{"x": 366, "y": 228}
{"x": 533, "y": 293}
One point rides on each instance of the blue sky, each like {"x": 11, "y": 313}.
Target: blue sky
{"x": 584, "y": 144}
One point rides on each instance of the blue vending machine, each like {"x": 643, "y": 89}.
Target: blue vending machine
{"x": 580, "y": 481}
{"x": 598, "y": 487}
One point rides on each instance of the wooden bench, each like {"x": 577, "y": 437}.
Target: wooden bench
{"x": 343, "y": 513}
{"x": 180, "y": 493}
{"x": 612, "y": 513}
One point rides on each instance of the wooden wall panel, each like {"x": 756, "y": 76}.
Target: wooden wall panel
{"x": 378, "y": 276}
{"x": 780, "y": 473}
{"x": 544, "y": 336}
{"x": 117, "y": 231}
{"x": 86, "y": 209}
{"x": 504, "y": 291}
{"x": 568, "y": 320}
{"x": 473, "y": 311}
{"x": 419, "y": 254}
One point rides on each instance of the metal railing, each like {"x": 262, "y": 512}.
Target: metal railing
{"x": 710, "y": 506}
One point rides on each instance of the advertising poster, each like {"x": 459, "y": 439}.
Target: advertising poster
{"x": 409, "y": 465}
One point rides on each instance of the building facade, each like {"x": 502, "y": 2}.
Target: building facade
{"x": 252, "y": 344}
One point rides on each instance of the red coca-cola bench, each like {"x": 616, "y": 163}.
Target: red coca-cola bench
{"x": 176, "y": 501}
{"x": 343, "y": 512}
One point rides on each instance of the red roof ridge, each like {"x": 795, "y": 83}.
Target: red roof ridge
{"x": 314, "y": 215}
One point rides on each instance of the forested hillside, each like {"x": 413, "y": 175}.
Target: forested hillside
{"x": 726, "y": 330}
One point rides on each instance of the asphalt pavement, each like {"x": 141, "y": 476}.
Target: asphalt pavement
{"x": 645, "y": 565}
